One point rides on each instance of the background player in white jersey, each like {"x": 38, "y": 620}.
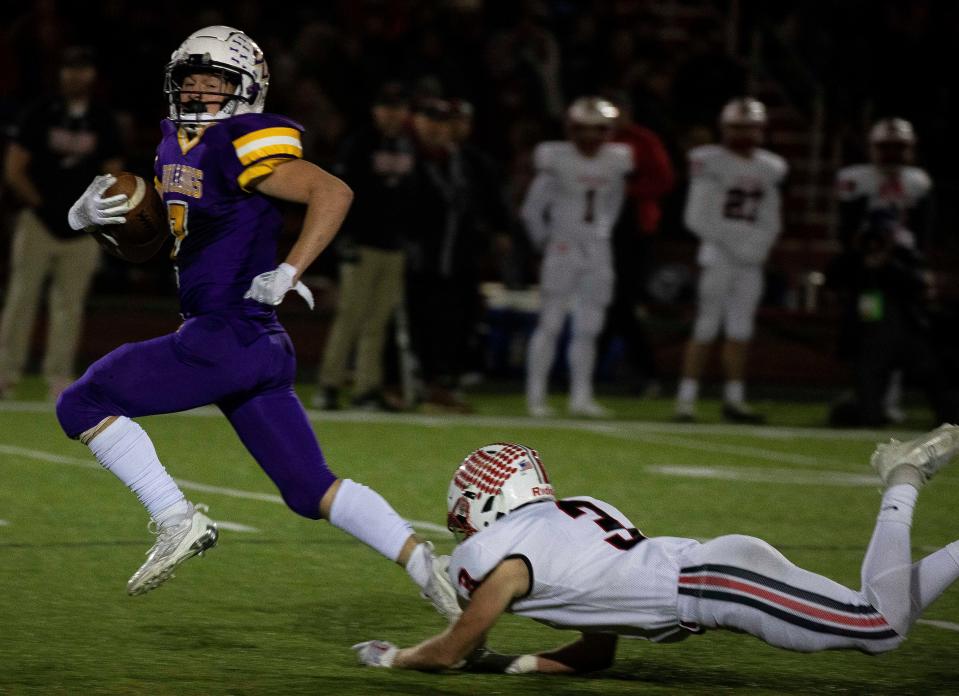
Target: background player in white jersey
{"x": 890, "y": 185}
{"x": 569, "y": 212}
{"x": 579, "y": 563}
{"x": 733, "y": 206}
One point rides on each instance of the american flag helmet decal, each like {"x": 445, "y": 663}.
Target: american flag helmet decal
{"x": 492, "y": 481}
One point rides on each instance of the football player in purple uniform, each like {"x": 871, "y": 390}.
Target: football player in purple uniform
{"x": 220, "y": 168}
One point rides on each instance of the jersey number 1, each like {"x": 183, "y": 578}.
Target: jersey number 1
{"x": 589, "y": 212}
{"x": 578, "y": 508}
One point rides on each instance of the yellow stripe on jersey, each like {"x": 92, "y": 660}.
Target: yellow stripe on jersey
{"x": 254, "y": 173}
{"x": 267, "y": 142}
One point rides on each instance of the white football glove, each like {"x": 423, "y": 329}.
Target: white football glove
{"x": 376, "y": 653}
{"x": 93, "y": 210}
{"x": 270, "y": 287}
{"x": 440, "y": 591}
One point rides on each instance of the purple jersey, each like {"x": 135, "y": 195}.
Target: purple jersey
{"x": 225, "y": 233}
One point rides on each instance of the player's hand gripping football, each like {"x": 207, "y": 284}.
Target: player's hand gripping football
{"x": 376, "y": 653}
{"x": 93, "y": 210}
{"x": 270, "y": 287}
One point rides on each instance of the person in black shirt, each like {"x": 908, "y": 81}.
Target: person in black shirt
{"x": 378, "y": 163}
{"x": 60, "y": 144}
{"x": 886, "y": 292}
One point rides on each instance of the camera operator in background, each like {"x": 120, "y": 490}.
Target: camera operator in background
{"x": 887, "y": 291}
{"x": 891, "y": 184}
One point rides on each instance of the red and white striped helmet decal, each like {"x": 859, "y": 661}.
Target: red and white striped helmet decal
{"x": 489, "y": 467}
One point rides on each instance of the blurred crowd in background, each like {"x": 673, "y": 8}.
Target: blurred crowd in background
{"x": 490, "y": 80}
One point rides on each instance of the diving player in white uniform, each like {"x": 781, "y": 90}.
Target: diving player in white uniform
{"x": 569, "y": 212}
{"x": 733, "y": 206}
{"x": 579, "y": 563}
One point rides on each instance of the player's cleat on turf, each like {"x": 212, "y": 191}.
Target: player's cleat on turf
{"x": 928, "y": 453}
{"x": 589, "y": 409}
{"x": 685, "y": 413}
{"x": 326, "y": 399}
{"x": 175, "y": 544}
{"x": 439, "y": 590}
{"x": 541, "y": 411}
{"x": 741, "y": 413}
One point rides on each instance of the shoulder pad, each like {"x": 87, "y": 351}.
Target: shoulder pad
{"x": 546, "y": 155}
{"x": 248, "y": 123}
{"x": 917, "y": 179}
{"x": 702, "y": 157}
{"x": 776, "y": 164}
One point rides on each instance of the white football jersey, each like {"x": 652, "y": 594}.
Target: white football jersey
{"x": 734, "y": 204}
{"x": 574, "y": 197}
{"x": 591, "y": 569}
{"x": 894, "y": 191}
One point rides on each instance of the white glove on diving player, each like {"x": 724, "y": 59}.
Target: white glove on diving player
{"x": 93, "y": 210}
{"x": 270, "y": 287}
{"x": 376, "y": 653}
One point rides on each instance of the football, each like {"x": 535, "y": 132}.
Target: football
{"x": 146, "y": 228}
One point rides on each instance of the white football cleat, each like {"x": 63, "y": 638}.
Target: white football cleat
{"x": 928, "y": 453}
{"x": 175, "y": 543}
{"x": 439, "y": 590}
{"x": 589, "y": 409}
{"x": 541, "y": 411}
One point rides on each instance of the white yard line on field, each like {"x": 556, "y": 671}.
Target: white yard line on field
{"x": 4, "y": 523}
{"x": 946, "y": 625}
{"x": 594, "y": 426}
{"x": 770, "y": 476}
{"x": 686, "y": 436}
{"x": 40, "y": 455}
{"x": 756, "y": 475}
{"x": 236, "y": 527}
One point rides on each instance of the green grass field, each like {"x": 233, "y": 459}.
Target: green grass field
{"x": 274, "y": 609}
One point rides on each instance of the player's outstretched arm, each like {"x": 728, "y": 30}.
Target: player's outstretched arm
{"x": 327, "y": 201}
{"x": 592, "y": 652}
{"x": 450, "y": 648}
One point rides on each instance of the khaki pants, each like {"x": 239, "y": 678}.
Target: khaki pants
{"x": 370, "y": 291}
{"x": 70, "y": 264}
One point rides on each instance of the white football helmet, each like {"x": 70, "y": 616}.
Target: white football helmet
{"x": 892, "y": 130}
{"x": 491, "y": 482}
{"x": 743, "y": 111}
{"x": 592, "y": 111}
{"x": 892, "y": 142}
{"x": 223, "y": 50}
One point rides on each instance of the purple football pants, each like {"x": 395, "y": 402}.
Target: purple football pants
{"x": 213, "y": 359}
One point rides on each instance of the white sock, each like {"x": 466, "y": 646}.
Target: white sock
{"x": 125, "y": 450}
{"x": 898, "y": 503}
{"x": 582, "y": 361}
{"x": 688, "y": 391}
{"x": 734, "y": 392}
{"x": 887, "y": 567}
{"x": 364, "y": 514}
{"x": 539, "y": 361}
{"x": 420, "y": 565}
{"x": 932, "y": 576}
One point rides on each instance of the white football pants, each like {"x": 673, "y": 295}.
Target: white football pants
{"x": 728, "y": 297}
{"x": 576, "y": 278}
{"x": 744, "y": 584}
